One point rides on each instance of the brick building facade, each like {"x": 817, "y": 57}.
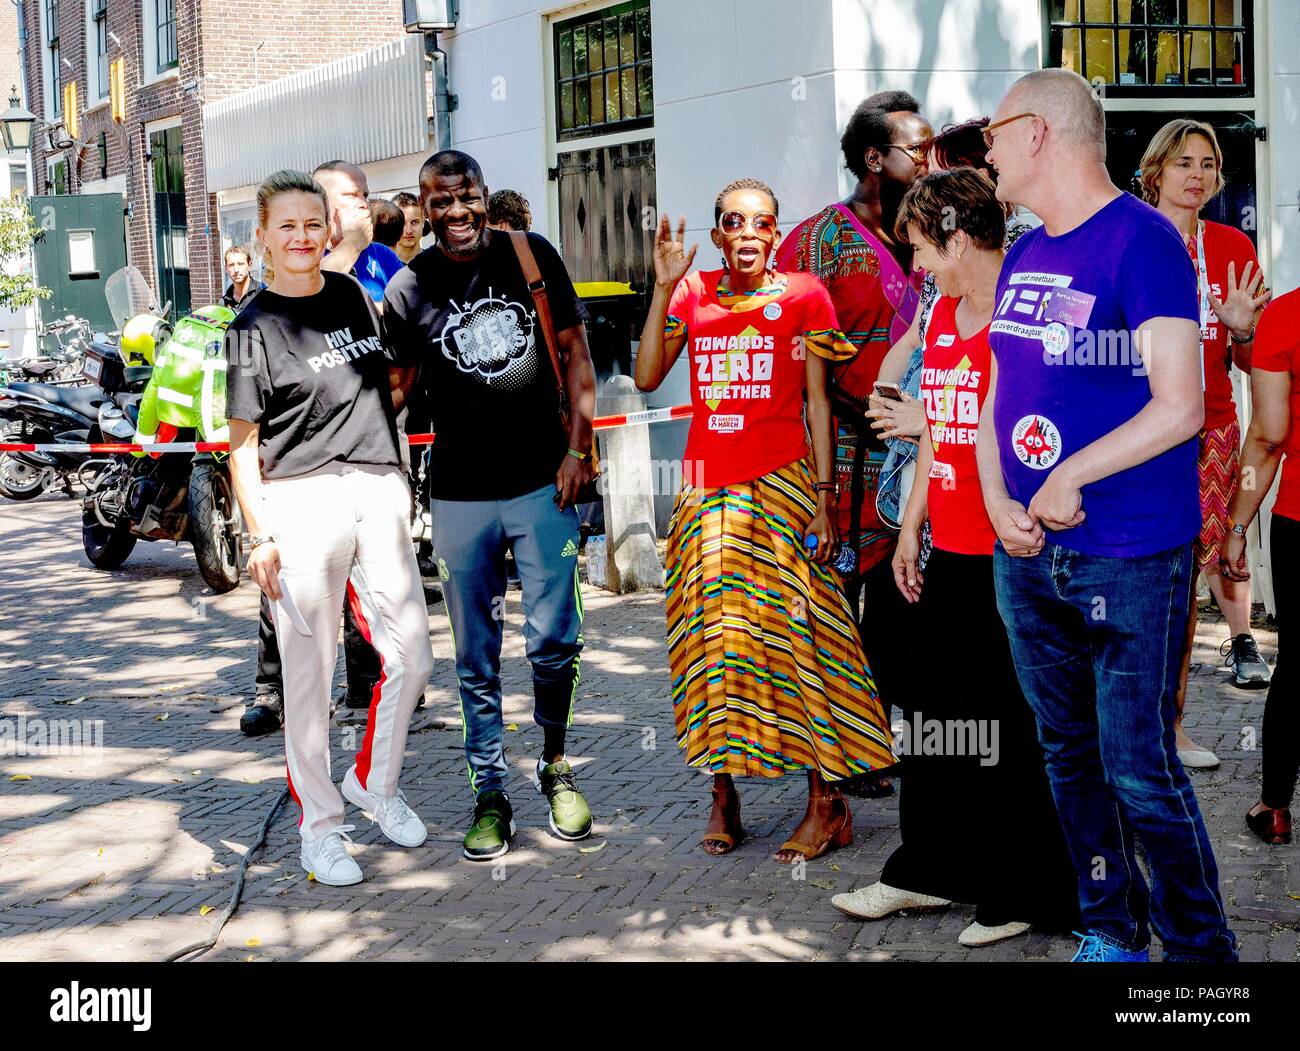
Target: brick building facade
{"x": 155, "y": 157}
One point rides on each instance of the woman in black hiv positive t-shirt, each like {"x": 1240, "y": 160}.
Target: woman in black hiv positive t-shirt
{"x": 315, "y": 460}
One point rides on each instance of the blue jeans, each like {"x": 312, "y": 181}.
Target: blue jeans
{"x": 471, "y": 538}
{"x": 1097, "y": 645}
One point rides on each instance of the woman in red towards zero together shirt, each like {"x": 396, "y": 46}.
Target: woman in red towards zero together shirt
{"x": 1007, "y": 854}
{"x": 1275, "y": 396}
{"x": 768, "y": 675}
{"x": 1181, "y": 172}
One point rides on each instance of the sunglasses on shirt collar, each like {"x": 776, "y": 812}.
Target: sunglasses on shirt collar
{"x": 734, "y": 222}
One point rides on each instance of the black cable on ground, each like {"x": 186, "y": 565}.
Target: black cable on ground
{"x": 237, "y": 893}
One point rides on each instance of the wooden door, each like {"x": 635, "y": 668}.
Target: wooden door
{"x": 608, "y": 213}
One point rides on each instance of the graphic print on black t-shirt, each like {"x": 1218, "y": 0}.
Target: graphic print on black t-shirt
{"x": 486, "y": 377}
{"x": 312, "y": 373}
{"x": 493, "y": 339}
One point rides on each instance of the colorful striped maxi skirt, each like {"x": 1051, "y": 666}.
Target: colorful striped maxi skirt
{"x": 768, "y": 674}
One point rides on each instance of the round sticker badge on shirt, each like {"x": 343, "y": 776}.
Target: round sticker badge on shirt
{"x": 772, "y": 311}
{"x": 1036, "y": 441}
{"x": 1056, "y": 338}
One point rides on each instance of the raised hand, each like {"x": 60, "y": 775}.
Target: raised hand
{"x": 1238, "y": 307}
{"x": 671, "y": 258}
{"x": 352, "y": 224}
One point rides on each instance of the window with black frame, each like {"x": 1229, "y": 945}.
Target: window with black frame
{"x": 52, "y": 54}
{"x": 99, "y": 18}
{"x": 603, "y": 76}
{"x": 1154, "y": 47}
{"x": 165, "y": 20}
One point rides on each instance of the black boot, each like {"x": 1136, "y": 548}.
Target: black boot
{"x": 264, "y": 716}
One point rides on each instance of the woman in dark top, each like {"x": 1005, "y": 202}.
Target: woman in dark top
{"x": 327, "y": 509}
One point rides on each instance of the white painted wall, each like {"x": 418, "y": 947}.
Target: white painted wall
{"x": 1283, "y": 119}
{"x": 17, "y": 327}
{"x": 958, "y": 57}
{"x": 742, "y": 87}
{"x": 496, "y": 70}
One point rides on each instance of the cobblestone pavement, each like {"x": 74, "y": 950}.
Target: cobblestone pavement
{"x": 114, "y": 855}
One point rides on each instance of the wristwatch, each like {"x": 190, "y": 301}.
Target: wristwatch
{"x": 1236, "y": 527}
{"x": 254, "y": 541}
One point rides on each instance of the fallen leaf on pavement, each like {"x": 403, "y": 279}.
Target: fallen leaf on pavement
{"x": 162, "y": 718}
{"x": 512, "y": 726}
{"x": 204, "y": 909}
{"x": 592, "y": 850}
{"x": 21, "y": 777}
{"x": 253, "y": 943}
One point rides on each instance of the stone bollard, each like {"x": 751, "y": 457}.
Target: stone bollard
{"x": 628, "y": 492}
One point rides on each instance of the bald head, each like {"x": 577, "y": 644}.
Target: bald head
{"x": 1066, "y": 103}
{"x": 329, "y": 169}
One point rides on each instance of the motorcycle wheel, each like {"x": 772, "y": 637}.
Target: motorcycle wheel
{"x": 107, "y": 548}
{"x": 22, "y": 481}
{"x": 215, "y": 529}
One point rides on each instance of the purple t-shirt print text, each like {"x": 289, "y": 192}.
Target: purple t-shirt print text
{"x": 1071, "y": 370}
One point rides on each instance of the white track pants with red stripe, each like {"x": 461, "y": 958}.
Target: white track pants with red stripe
{"x": 346, "y": 529}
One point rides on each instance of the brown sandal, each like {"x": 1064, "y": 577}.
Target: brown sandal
{"x": 727, "y": 840}
{"x": 841, "y": 837}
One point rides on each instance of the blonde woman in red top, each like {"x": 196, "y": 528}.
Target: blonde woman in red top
{"x": 768, "y": 675}
{"x": 1181, "y": 173}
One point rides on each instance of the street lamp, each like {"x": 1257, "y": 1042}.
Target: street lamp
{"x": 429, "y": 16}
{"x": 16, "y": 125}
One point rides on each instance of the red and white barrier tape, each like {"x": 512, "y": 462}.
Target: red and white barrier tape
{"x": 626, "y": 419}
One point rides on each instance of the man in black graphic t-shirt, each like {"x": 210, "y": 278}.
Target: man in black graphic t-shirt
{"x": 505, "y": 474}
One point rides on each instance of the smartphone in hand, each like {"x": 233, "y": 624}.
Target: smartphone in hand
{"x": 888, "y": 391}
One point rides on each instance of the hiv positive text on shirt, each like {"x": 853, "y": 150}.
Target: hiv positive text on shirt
{"x": 343, "y": 348}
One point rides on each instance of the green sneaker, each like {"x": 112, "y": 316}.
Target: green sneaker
{"x": 570, "y": 815}
{"x": 494, "y": 823}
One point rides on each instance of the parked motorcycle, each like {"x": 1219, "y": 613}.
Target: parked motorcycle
{"x": 46, "y": 413}
{"x": 33, "y": 409}
{"x": 172, "y": 496}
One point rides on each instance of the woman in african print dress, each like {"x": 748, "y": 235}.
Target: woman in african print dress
{"x": 768, "y": 675}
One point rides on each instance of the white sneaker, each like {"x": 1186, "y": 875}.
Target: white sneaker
{"x": 977, "y": 934}
{"x": 880, "y": 899}
{"x": 328, "y": 860}
{"x": 1198, "y": 758}
{"x": 395, "y": 819}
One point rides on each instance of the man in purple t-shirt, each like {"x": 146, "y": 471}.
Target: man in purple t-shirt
{"x": 1088, "y": 463}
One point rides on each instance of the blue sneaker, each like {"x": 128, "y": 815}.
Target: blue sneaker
{"x": 1096, "y": 949}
